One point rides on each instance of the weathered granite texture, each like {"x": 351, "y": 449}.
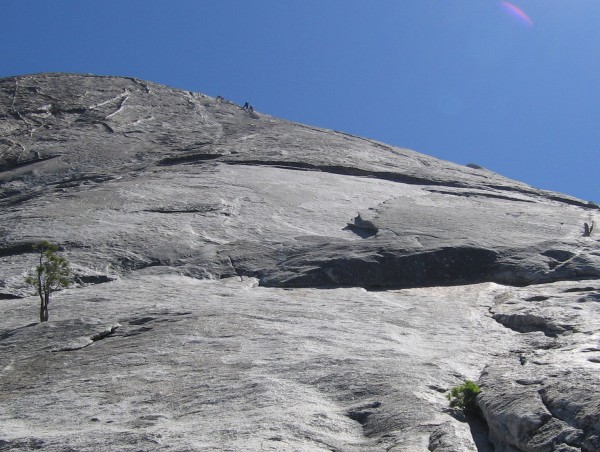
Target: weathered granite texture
{"x": 247, "y": 283}
{"x": 543, "y": 395}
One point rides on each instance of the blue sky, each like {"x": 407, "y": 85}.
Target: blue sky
{"x": 468, "y": 81}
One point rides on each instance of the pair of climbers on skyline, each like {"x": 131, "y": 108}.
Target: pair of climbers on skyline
{"x": 248, "y": 107}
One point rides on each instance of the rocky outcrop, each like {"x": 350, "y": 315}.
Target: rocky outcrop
{"x": 202, "y": 237}
{"x": 543, "y": 395}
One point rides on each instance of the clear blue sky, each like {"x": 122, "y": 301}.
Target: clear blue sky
{"x": 470, "y": 81}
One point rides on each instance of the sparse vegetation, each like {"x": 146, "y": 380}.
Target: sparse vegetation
{"x": 51, "y": 274}
{"x": 464, "y": 396}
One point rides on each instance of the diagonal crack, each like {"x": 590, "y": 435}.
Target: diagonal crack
{"x": 120, "y": 106}
{"x": 86, "y": 341}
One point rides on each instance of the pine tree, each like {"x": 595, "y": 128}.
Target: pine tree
{"x": 51, "y": 274}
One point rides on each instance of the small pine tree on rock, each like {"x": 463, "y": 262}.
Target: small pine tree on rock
{"x": 51, "y": 274}
{"x": 464, "y": 396}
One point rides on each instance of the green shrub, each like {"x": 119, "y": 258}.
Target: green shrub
{"x": 464, "y": 396}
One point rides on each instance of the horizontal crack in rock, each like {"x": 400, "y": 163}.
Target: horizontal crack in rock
{"x": 468, "y": 194}
{"x": 9, "y": 165}
{"x": 187, "y": 158}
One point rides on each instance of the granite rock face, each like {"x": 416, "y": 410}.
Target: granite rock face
{"x": 247, "y": 283}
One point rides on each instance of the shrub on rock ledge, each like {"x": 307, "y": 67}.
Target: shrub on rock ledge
{"x": 464, "y": 396}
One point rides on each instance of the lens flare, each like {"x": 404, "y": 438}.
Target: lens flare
{"x": 517, "y": 13}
